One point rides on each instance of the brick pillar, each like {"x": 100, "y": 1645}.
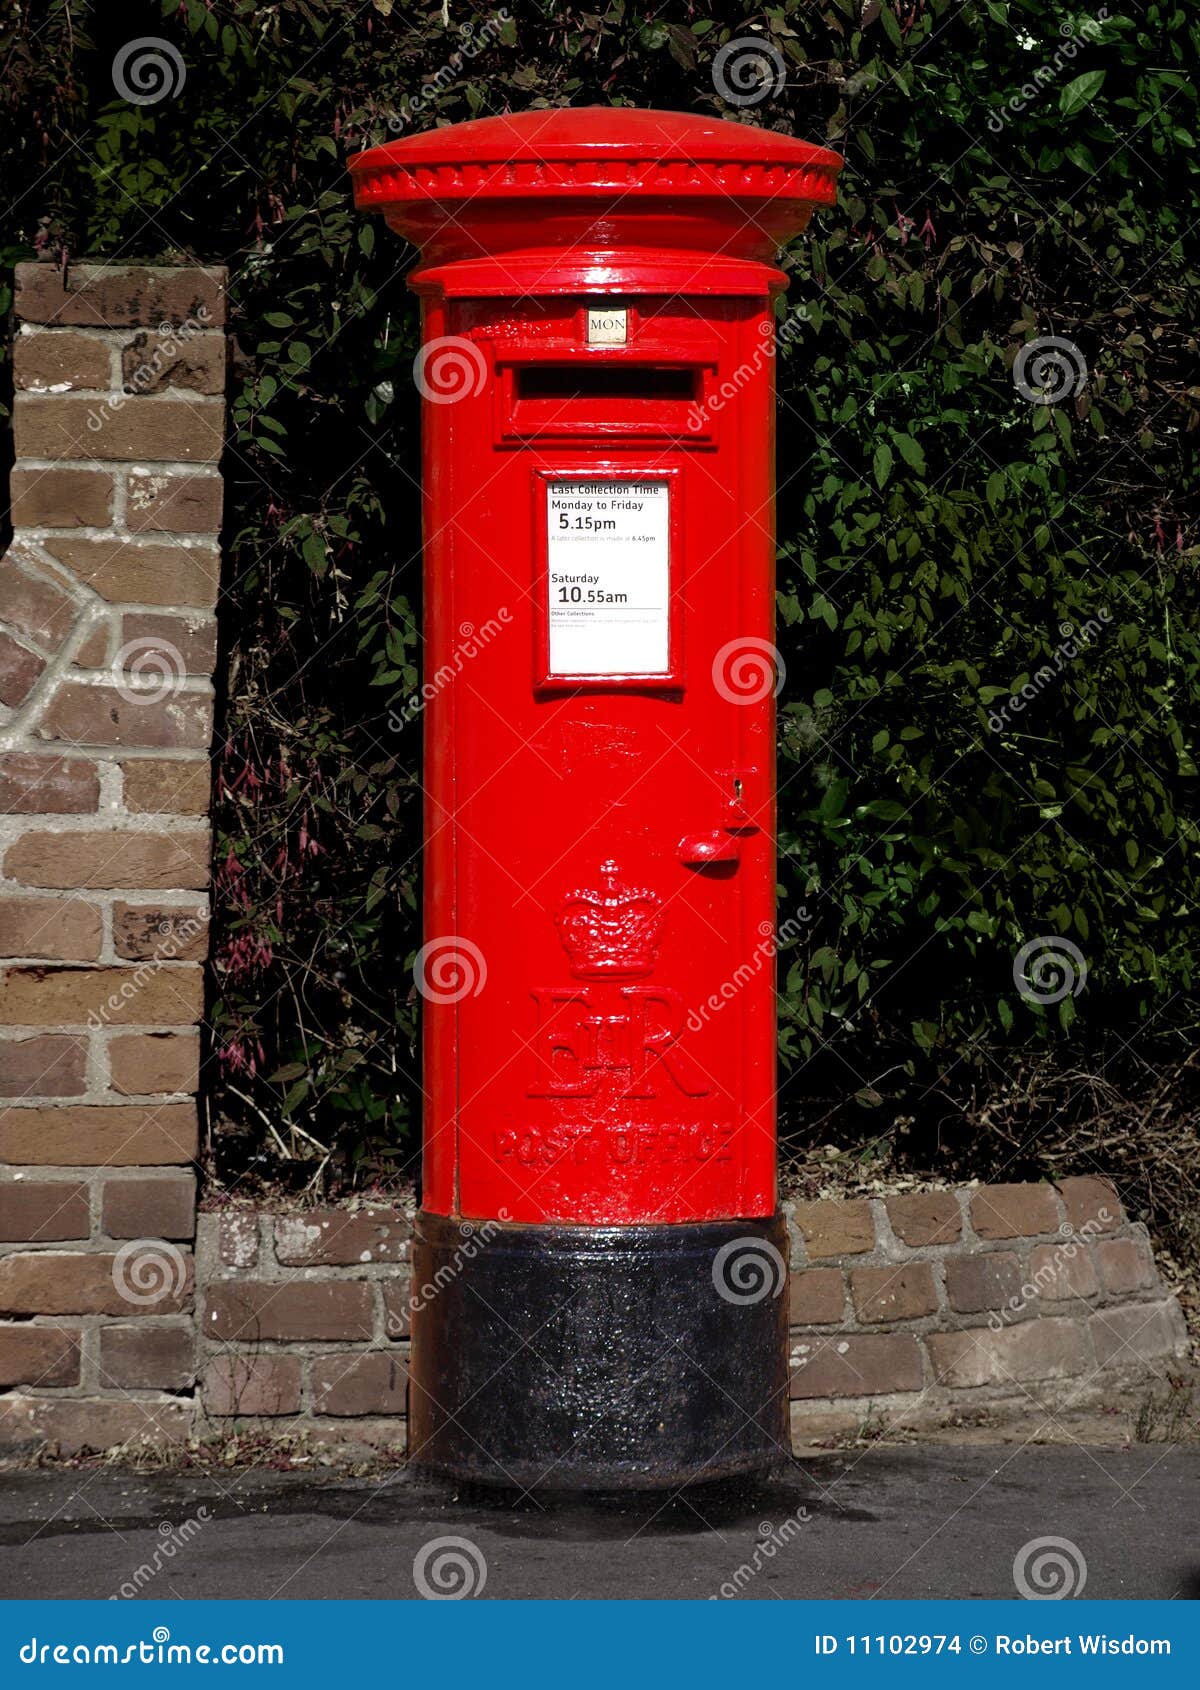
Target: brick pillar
{"x": 107, "y": 644}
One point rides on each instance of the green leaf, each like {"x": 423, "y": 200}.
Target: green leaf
{"x": 316, "y": 555}
{"x": 1080, "y": 92}
{"x": 910, "y": 451}
{"x": 289, "y": 1071}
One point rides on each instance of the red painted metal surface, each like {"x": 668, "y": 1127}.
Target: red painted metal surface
{"x": 599, "y": 869}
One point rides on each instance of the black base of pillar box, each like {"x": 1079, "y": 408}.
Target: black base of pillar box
{"x": 604, "y": 1359}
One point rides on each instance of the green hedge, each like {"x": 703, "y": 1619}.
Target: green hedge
{"x": 987, "y": 605}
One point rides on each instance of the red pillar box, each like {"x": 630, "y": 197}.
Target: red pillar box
{"x": 600, "y": 1266}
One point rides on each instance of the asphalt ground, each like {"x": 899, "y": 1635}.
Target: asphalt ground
{"x": 886, "y": 1523}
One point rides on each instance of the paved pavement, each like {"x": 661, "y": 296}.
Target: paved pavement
{"x": 905, "y": 1522}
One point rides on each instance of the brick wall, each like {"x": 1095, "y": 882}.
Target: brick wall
{"x": 1003, "y": 1301}
{"x": 1010, "y": 1303}
{"x": 107, "y": 645}
{"x": 304, "y": 1320}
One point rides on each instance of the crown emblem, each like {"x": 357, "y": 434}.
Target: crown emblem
{"x": 610, "y": 933}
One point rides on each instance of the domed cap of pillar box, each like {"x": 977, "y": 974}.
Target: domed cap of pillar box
{"x": 544, "y": 189}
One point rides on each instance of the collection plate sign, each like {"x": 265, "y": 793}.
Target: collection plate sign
{"x": 608, "y": 577}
